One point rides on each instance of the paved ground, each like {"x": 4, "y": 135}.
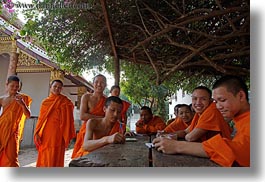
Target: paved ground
{"x": 27, "y": 157}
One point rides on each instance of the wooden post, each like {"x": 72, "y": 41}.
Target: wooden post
{"x": 13, "y": 60}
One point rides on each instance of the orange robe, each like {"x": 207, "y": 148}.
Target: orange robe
{"x": 125, "y": 107}
{"x": 152, "y": 126}
{"x": 55, "y": 127}
{"x": 9, "y": 133}
{"x": 213, "y": 121}
{"x": 22, "y": 122}
{"x": 98, "y": 111}
{"x": 176, "y": 125}
{"x": 115, "y": 128}
{"x": 227, "y": 152}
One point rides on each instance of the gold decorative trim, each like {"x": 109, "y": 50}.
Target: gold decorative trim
{"x": 56, "y": 75}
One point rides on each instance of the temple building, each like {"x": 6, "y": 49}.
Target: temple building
{"x": 35, "y": 69}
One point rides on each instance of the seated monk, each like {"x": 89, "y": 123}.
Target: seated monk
{"x": 13, "y": 105}
{"x": 115, "y": 91}
{"x": 103, "y": 131}
{"x": 175, "y": 113}
{"x": 230, "y": 94}
{"x": 183, "y": 120}
{"x": 207, "y": 121}
{"x": 148, "y": 123}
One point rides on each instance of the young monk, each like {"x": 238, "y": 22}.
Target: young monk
{"x": 13, "y": 106}
{"x": 175, "y": 113}
{"x": 148, "y": 123}
{"x": 103, "y": 131}
{"x": 230, "y": 94}
{"x": 183, "y": 119}
{"x": 207, "y": 121}
{"x": 55, "y": 127}
{"x": 91, "y": 107}
{"x": 115, "y": 91}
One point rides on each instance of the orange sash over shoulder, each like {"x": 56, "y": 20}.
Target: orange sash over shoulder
{"x": 23, "y": 119}
{"x": 98, "y": 111}
{"x": 211, "y": 119}
{"x": 9, "y": 131}
{"x": 227, "y": 152}
{"x": 152, "y": 126}
{"x": 176, "y": 125}
{"x": 125, "y": 107}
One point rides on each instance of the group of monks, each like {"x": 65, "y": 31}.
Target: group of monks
{"x": 203, "y": 128}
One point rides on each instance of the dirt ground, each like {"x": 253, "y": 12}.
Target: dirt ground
{"x": 27, "y": 157}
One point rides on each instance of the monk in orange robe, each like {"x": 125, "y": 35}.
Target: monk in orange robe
{"x": 183, "y": 119}
{"x": 230, "y": 94}
{"x": 115, "y": 91}
{"x": 207, "y": 121}
{"x": 91, "y": 107}
{"x": 13, "y": 106}
{"x": 55, "y": 127}
{"x": 103, "y": 131}
{"x": 148, "y": 123}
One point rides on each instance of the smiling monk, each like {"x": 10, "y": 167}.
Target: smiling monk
{"x": 91, "y": 107}
{"x": 13, "y": 106}
{"x": 55, "y": 127}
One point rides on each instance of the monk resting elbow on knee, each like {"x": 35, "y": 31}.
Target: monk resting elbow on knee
{"x": 103, "y": 131}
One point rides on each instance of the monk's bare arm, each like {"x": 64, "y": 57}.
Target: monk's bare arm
{"x": 170, "y": 146}
{"x": 182, "y": 133}
{"x": 195, "y": 134}
{"x": 90, "y": 144}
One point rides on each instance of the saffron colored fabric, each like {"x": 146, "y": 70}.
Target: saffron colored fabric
{"x": 98, "y": 111}
{"x": 230, "y": 152}
{"x": 10, "y": 120}
{"x": 176, "y": 125}
{"x": 211, "y": 119}
{"x": 55, "y": 127}
{"x": 152, "y": 126}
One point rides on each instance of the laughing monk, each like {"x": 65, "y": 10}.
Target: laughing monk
{"x": 91, "y": 107}
{"x": 207, "y": 121}
{"x": 55, "y": 127}
{"x": 13, "y": 106}
{"x": 231, "y": 96}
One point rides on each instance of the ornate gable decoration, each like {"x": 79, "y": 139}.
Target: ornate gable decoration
{"x": 27, "y": 63}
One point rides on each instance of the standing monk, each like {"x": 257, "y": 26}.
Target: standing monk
{"x": 13, "y": 106}
{"x": 91, "y": 107}
{"x": 55, "y": 127}
{"x": 231, "y": 96}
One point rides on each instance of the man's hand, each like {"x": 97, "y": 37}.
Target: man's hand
{"x": 116, "y": 138}
{"x": 165, "y": 145}
{"x": 37, "y": 141}
{"x": 139, "y": 123}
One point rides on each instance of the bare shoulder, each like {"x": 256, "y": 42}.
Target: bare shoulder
{"x": 2, "y": 98}
{"x": 94, "y": 123}
{"x": 86, "y": 96}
